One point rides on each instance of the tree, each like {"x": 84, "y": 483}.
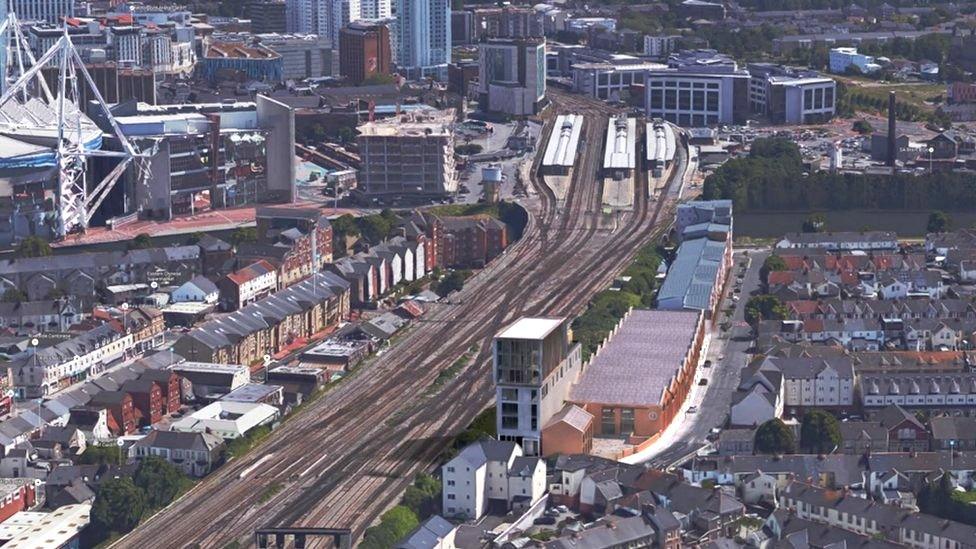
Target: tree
{"x": 242, "y": 235}
{"x": 765, "y": 307}
{"x": 773, "y": 263}
{"x": 13, "y": 295}
{"x": 939, "y": 222}
{"x": 774, "y": 437}
{"x": 863, "y": 127}
{"x": 118, "y": 505}
{"x": 422, "y": 497}
{"x": 819, "y": 432}
{"x": 141, "y": 242}
{"x": 161, "y": 481}
{"x": 33, "y": 246}
{"x": 394, "y": 525}
{"x": 814, "y": 223}
{"x": 453, "y": 282}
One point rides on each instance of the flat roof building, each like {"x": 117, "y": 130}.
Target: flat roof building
{"x": 227, "y": 419}
{"x": 512, "y": 75}
{"x": 698, "y": 88}
{"x": 560, "y": 154}
{"x": 791, "y": 96}
{"x": 364, "y": 51}
{"x": 636, "y": 383}
{"x": 535, "y": 363}
{"x": 410, "y": 154}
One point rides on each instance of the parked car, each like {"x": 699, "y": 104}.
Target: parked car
{"x": 692, "y": 410}
{"x": 703, "y": 381}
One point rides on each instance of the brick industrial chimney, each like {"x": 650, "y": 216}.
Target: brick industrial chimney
{"x": 892, "y": 129}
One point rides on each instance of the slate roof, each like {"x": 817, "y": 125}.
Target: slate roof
{"x": 638, "y": 363}
{"x": 693, "y": 273}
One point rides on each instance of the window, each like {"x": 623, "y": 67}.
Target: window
{"x": 608, "y": 422}
{"x": 450, "y": 496}
{"x": 627, "y": 420}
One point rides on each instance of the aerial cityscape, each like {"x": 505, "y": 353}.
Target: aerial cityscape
{"x": 471, "y": 274}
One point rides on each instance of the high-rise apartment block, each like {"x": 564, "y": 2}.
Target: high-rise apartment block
{"x": 512, "y": 75}
{"x": 535, "y": 365}
{"x": 424, "y": 38}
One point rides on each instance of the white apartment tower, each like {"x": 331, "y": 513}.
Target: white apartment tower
{"x": 424, "y": 37}
{"x": 535, "y": 366}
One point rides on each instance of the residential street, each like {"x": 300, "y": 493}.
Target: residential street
{"x": 728, "y": 357}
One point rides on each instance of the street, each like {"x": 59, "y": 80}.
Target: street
{"x": 689, "y": 433}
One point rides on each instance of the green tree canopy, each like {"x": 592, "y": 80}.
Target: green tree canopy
{"x": 13, "y": 295}
{"x": 33, "y": 246}
{"x": 774, "y": 437}
{"x": 863, "y": 127}
{"x": 819, "y": 432}
{"x": 453, "y": 282}
{"x": 141, "y": 242}
{"x": 243, "y": 235}
{"x": 772, "y": 263}
{"x": 764, "y": 307}
{"x": 394, "y": 525}
{"x": 118, "y": 505}
{"x": 814, "y": 223}
{"x": 939, "y": 222}
{"x": 161, "y": 481}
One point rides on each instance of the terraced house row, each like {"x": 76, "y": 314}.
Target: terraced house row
{"x": 267, "y": 326}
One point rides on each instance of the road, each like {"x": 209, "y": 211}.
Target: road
{"x": 728, "y": 357}
{"x": 348, "y": 456}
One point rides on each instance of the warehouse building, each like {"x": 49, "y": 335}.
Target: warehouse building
{"x": 635, "y": 384}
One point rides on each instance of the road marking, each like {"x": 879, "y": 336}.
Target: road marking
{"x": 247, "y": 471}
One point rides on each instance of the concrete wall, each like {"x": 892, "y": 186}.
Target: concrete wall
{"x": 280, "y": 120}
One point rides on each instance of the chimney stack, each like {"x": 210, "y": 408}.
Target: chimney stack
{"x": 892, "y": 130}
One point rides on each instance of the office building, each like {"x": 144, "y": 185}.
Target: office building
{"x": 512, "y": 76}
{"x": 424, "y": 38}
{"x": 842, "y": 59}
{"x": 365, "y": 51}
{"x": 611, "y": 79}
{"x": 267, "y": 16}
{"x": 534, "y": 365}
{"x": 410, "y": 154}
{"x": 506, "y": 22}
{"x": 210, "y": 156}
{"x": 790, "y": 96}
{"x": 48, "y": 11}
{"x": 698, "y": 88}
{"x": 302, "y": 55}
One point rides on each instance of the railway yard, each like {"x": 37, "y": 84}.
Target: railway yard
{"x": 343, "y": 460}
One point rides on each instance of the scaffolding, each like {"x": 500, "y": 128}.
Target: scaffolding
{"x": 32, "y": 112}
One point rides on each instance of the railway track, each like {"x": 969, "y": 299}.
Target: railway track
{"x": 347, "y": 458}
